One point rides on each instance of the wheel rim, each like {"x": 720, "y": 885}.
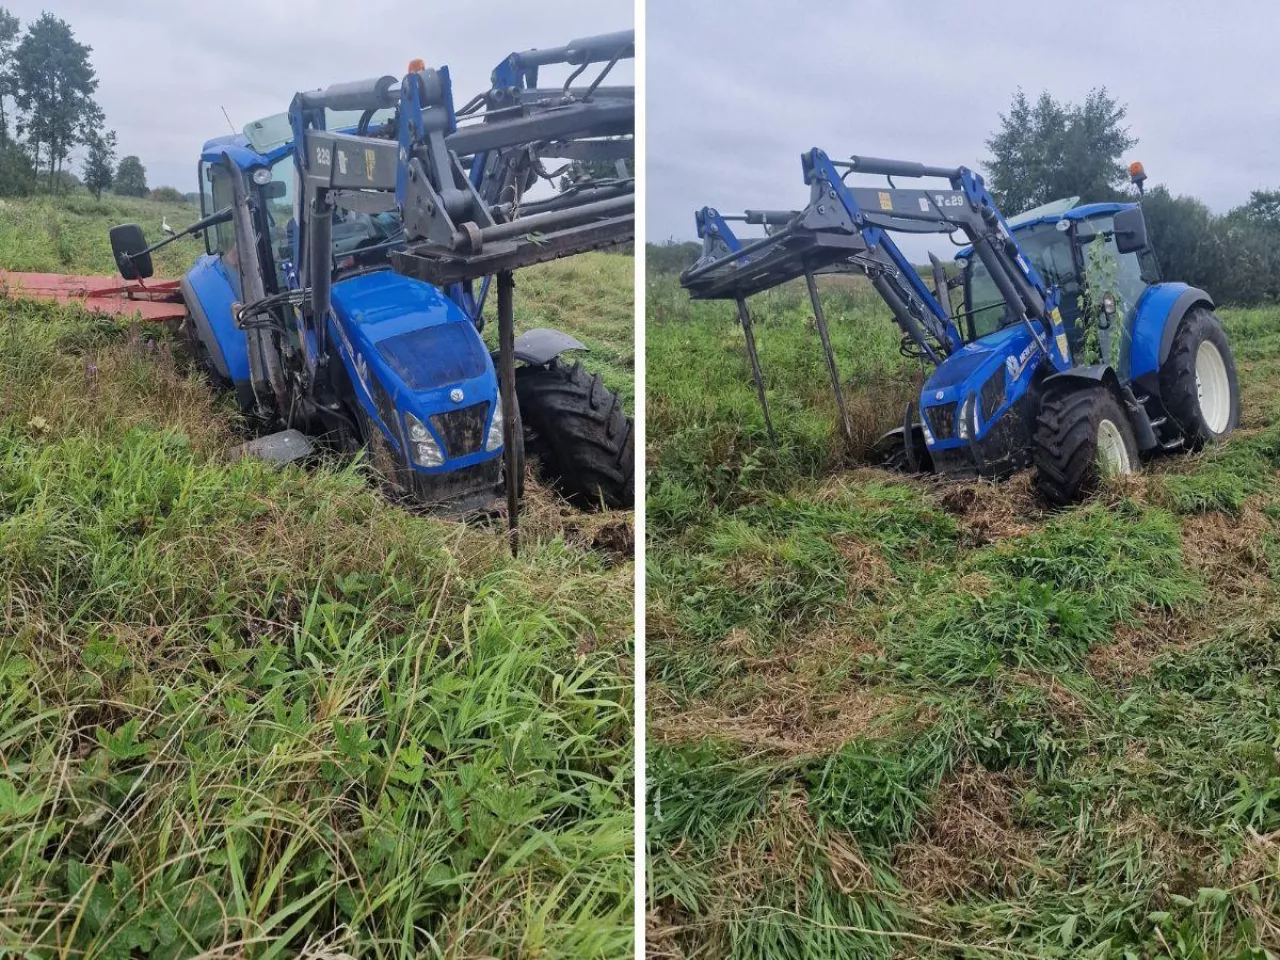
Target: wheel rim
{"x": 1113, "y": 452}
{"x": 1212, "y": 387}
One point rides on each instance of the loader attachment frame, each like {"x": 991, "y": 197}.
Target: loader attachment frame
{"x": 847, "y": 229}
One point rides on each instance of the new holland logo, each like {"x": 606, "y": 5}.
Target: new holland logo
{"x": 1015, "y": 365}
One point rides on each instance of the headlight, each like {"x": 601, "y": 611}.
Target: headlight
{"x": 494, "y": 440}
{"x": 963, "y": 425}
{"x": 423, "y": 449}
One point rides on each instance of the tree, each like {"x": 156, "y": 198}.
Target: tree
{"x": 9, "y": 25}
{"x": 1186, "y": 238}
{"x": 99, "y": 162}
{"x": 53, "y": 85}
{"x": 1052, "y": 150}
{"x": 1263, "y": 209}
{"x": 17, "y": 173}
{"x": 131, "y": 178}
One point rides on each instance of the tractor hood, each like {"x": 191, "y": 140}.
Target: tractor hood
{"x": 972, "y": 394}
{"x": 412, "y": 350}
{"x": 969, "y": 367}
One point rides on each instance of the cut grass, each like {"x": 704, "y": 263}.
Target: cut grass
{"x": 1074, "y": 752}
{"x": 259, "y": 712}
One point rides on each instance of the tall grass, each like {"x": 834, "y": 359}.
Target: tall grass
{"x": 68, "y": 234}
{"x": 259, "y": 712}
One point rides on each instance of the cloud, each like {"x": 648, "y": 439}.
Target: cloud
{"x": 167, "y": 69}
{"x": 737, "y": 91}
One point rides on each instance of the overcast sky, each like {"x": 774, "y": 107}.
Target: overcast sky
{"x": 167, "y": 67}
{"x": 737, "y": 92}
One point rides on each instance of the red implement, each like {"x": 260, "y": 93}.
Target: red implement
{"x": 157, "y": 300}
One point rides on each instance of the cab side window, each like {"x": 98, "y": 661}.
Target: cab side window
{"x": 222, "y": 240}
{"x": 1126, "y": 278}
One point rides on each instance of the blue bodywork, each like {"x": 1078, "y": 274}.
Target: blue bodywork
{"x": 408, "y": 340}
{"x": 1151, "y": 326}
{"x": 214, "y": 292}
{"x": 1006, "y": 354}
{"x": 407, "y": 348}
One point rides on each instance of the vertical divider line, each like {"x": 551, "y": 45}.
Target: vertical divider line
{"x": 639, "y": 739}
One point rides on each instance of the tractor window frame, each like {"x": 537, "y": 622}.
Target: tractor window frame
{"x": 279, "y": 240}
{"x": 978, "y": 323}
{"x": 206, "y": 201}
{"x": 1132, "y": 269}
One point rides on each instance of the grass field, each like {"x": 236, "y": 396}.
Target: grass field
{"x": 902, "y": 718}
{"x": 248, "y": 712}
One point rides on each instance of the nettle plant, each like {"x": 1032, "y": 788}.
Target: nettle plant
{"x": 1101, "y": 281}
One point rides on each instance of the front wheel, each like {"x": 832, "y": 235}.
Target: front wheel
{"x": 1082, "y": 434}
{"x": 574, "y": 426}
{"x": 890, "y": 453}
{"x": 1198, "y": 380}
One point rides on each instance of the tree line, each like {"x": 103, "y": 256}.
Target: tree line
{"x": 48, "y": 112}
{"x": 1050, "y": 149}
{"x": 1047, "y": 149}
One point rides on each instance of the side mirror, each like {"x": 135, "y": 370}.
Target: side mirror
{"x": 1130, "y": 230}
{"x": 275, "y": 190}
{"x": 128, "y": 244}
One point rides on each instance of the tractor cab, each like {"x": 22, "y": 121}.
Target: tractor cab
{"x": 1074, "y": 248}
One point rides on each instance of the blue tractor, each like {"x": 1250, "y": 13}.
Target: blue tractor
{"x": 1067, "y": 351}
{"x": 351, "y": 244}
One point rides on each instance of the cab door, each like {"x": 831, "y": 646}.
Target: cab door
{"x": 221, "y": 241}
{"x": 213, "y": 287}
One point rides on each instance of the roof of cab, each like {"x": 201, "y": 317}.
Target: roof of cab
{"x": 236, "y": 146}
{"x": 1082, "y": 212}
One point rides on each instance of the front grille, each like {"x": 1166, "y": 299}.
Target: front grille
{"x": 992, "y": 395}
{"x": 942, "y": 420}
{"x": 463, "y": 431}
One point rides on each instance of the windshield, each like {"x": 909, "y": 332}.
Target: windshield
{"x": 271, "y": 132}
{"x": 1049, "y": 251}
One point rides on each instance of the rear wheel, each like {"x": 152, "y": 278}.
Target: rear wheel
{"x": 1198, "y": 380}
{"x": 575, "y": 427}
{"x": 1082, "y": 434}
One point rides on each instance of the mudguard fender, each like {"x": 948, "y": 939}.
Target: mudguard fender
{"x": 540, "y": 346}
{"x": 1154, "y": 325}
{"x": 1093, "y": 373}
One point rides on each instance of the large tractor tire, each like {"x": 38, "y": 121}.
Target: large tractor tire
{"x": 1198, "y": 380}
{"x": 1082, "y": 433}
{"x": 576, "y": 429}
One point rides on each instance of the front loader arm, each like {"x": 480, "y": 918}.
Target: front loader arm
{"x": 969, "y": 208}
{"x": 460, "y": 223}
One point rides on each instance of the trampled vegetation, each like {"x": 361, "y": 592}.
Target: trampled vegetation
{"x": 894, "y": 717}
{"x": 249, "y": 711}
